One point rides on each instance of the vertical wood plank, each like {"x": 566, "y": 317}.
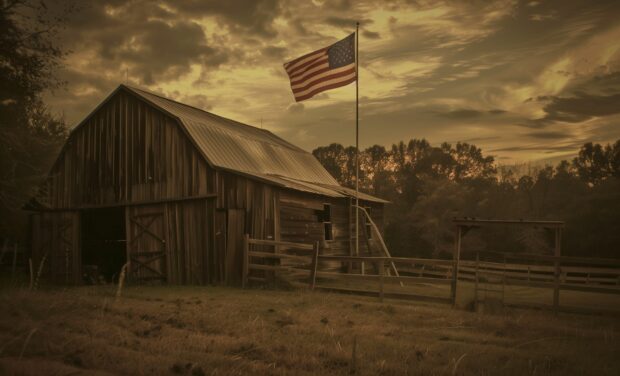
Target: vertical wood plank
{"x": 246, "y": 260}
{"x": 556, "y": 283}
{"x": 455, "y": 265}
{"x": 315, "y": 264}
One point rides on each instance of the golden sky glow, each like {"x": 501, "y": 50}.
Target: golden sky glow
{"x": 524, "y": 80}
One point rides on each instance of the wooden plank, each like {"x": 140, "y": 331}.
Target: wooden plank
{"x": 387, "y": 278}
{"x": 455, "y": 270}
{"x": 309, "y": 247}
{"x": 588, "y": 288}
{"x": 246, "y": 260}
{"x": 556, "y": 288}
{"x": 387, "y": 295}
{"x": 304, "y": 258}
{"x": 562, "y": 259}
{"x": 519, "y": 222}
{"x": 274, "y": 268}
{"x": 315, "y": 263}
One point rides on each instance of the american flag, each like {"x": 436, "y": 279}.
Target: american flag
{"x": 324, "y": 69}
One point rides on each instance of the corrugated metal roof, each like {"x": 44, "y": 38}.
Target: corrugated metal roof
{"x": 239, "y": 147}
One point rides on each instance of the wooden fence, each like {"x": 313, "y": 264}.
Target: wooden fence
{"x": 428, "y": 279}
{"x": 556, "y": 273}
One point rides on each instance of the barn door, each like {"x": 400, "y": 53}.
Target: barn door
{"x": 235, "y": 230}
{"x": 146, "y": 246}
{"x": 55, "y": 238}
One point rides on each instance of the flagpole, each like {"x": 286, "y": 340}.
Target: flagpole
{"x": 357, "y": 147}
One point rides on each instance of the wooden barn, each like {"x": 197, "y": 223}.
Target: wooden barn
{"x": 173, "y": 189}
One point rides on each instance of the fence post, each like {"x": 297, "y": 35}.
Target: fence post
{"x": 556, "y": 285}
{"x": 246, "y": 260}
{"x": 476, "y": 280}
{"x": 5, "y": 248}
{"x": 381, "y": 267}
{"x": 314, "y": 266}
{"x": 455, "y": 266}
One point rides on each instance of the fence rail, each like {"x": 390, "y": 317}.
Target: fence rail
{"x": 416, "y": 277}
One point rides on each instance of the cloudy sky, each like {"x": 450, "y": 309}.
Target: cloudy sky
{"x": 524, "y": 80}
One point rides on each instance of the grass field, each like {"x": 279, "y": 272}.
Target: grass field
{"x": 225, "y": 331}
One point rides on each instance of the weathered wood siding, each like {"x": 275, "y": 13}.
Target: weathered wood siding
{"x": 125, "y": 152}
{"x": 299, "y": 221}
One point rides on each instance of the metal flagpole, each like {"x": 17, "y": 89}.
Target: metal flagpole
{"x": 357, "y": 146}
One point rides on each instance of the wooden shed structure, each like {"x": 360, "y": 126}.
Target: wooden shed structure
{"x": 173, "y": 189}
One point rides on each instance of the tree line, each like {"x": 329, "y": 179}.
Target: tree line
{"x": 430, "y": 185}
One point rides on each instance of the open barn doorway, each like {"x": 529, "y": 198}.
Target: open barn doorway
{"x": 103, "y": 244}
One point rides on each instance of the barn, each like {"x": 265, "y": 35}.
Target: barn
{"x": 173, "y": 189}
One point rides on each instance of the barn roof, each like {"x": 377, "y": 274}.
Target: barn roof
{"x": 258, "y": 153}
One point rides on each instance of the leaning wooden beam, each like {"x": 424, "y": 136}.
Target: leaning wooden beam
{"x": 376, "y": 230}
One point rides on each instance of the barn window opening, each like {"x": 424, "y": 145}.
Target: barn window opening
{"x": 325, "y": 216}
{"x": 367, "y": 223}
{"x": 103, "y": 244}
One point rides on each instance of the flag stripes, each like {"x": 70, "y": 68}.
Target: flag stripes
{"x": 322, "y": 70}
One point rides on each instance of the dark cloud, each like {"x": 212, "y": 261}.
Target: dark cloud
{"x": 462, "y": 114}
{"x": 497, "y": 112}
{"x": 371, "y": 34}
{"x": 540, "y": 147}
{"x": 274, "y": 52}
{"x": 340, "y": 5}
{"x": 345, "y": 23}
{"x": 579, "y": 108}
{"x": 252, "y": 17}
{"x": 549, "y": 135}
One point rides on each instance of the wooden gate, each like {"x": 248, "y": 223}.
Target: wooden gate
{"x": 55, "y": 239}
{"x": 146, "y": 245}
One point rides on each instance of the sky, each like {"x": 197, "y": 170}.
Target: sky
{"x": 523, "y": 80}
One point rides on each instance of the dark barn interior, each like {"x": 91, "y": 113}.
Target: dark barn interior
{"x": 104, "y": 250}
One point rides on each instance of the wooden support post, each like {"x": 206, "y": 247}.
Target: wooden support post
{"x": 314, "y": 266}
{"x": 381, "y": 269}
{"x": 504, "y": 281}
{"x": 557, "y": 254}
{"x": 31, "y": 273}
{"x": 14, "y": 266}
{"x": 455, "y": 264}
{"x": 5, "y": 248}
{"x": 476, "y": 280}
{"x": 246, "y": 260}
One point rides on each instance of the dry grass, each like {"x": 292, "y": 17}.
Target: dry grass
{"x": 224, "y": 331}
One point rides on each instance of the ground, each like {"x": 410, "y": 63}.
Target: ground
{"x": 227, "y": 331}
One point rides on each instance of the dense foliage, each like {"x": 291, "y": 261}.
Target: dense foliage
{"x": 428, "y": 186}
{"x": 30, "y": 135}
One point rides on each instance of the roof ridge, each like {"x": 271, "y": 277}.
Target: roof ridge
{"x": 235, "y": 122}
{"x": 195, "y": 108}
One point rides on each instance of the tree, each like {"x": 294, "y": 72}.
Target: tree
{"x": 29, "y": 134}
{"x": 592, "y": 163}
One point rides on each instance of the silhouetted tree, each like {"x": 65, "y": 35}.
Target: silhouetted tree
{"x": 29, "y": 134}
